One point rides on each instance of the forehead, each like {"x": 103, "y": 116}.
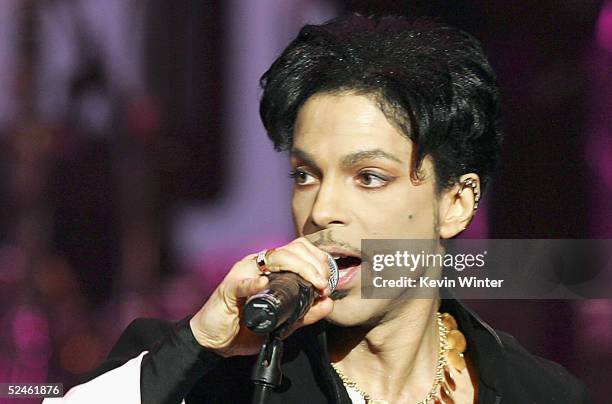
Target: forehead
{"x": 338, "y": 123}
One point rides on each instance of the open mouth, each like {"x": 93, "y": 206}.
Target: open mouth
{"x": 347, "y": 262}
{"x": 348, "y": 267}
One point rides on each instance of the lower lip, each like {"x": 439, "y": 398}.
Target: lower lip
{"x": 346, "y": 275}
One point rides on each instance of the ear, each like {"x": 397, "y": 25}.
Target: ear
{"x": 457, "y": 205}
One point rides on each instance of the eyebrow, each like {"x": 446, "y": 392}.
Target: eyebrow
{"x": 354, "y": 158}
{"x": 302, "y": 155}
{"x": 350, "y": 159}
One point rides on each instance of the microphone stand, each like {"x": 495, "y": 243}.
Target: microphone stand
{"x": 266, "y": 374}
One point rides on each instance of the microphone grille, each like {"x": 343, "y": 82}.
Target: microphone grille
{"x": 333, "y": 272}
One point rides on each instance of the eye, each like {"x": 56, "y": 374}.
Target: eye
{"x": 372, "y": 180}
{"x": 301, "y": 177}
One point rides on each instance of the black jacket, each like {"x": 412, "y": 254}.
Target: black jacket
{"x": 177, "y": 367}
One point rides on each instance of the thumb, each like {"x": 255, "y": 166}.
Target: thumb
{"x": 320, "y": 309}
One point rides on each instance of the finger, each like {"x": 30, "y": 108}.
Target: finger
{"x": 245, "y": 268}
{"x": 320, "y": 254}
{"x": 283, "y": 259}
{"x": 306, "y": 253}
{"x": 248, "y": 287}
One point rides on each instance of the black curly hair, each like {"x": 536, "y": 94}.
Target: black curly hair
{"x": 431, "y": 80}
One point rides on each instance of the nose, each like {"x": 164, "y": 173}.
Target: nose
{"x": 329, "y": 208}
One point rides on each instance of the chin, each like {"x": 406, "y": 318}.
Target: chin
{"x": 350, "y": 310}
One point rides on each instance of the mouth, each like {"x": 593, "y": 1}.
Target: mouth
{"x": 349, "y": 265}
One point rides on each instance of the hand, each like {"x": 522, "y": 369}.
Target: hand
{"x": 217, "y": 324}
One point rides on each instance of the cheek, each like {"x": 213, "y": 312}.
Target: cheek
{"x": 400, "y": 216}
{"x": 300, "y": 208}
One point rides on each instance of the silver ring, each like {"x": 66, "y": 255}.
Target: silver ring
{"x": 262, "y": 261}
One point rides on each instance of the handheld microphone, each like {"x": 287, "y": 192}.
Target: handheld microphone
{"x": 286, "y": 300}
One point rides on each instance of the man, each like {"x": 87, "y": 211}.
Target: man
{"x": 392, "y": 126}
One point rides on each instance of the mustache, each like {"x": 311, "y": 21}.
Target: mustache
{"x": 327, "y": 238}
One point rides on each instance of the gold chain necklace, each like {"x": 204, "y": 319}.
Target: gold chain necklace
{"x": 443, "y": 382}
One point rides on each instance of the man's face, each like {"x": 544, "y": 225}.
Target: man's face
{"x": 352, "y": 182}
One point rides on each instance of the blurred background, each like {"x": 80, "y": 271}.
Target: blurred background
{"x": 133, "y": 161}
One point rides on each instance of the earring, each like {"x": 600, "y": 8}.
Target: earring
{"x": 470, "y": 182}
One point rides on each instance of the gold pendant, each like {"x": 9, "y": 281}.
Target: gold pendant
{"x": 456, "y": 359}
{"x": 456, "y": 340}
{"x": 449, "y": 321}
